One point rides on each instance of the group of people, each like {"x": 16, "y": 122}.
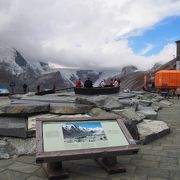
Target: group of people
{"x": 38, "y": 88}
{"x": 89, "y": 84}
{"x": 113, "y": 83}
{"x": 25, "y": 88}
{"x": 171, "y": 92}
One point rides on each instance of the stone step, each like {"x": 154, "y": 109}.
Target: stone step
{"x": 13, "y": 126}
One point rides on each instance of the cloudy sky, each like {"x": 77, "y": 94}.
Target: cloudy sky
{"x": 92, "y": 33}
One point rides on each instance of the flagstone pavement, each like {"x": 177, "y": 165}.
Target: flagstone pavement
{"x": 160, "y": 160}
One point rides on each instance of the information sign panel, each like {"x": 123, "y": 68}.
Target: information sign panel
{"x": 66, "y": 139}
{"x": 59, "y": 136}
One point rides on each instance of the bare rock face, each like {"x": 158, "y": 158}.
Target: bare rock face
{"x": 150, "y": 130}
{"x": 110, "y": 104}
{"x": 23, "y": 109}
{"x": 130, "y": 114}
{"x": 4, "y": 101}
{"x": 10, "y": 147}
{"x": 97, "y": 112}
{"x": 133, "y": 81}
{"x": 148, "y": 112}
{"x": 47, "y": 80}
{"x": 163, "y": 103}
{"x": 125, "y": 95}
{"x": 104, "y": 102}
{"x": 13, "y": 126}
{"x": 126, "y": 102}
{"x": 155, "y": 107}
{"x": 145, "y": 102}
{"x": 69, "y": 108}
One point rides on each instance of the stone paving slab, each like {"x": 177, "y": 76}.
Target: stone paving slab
{"x": 13, "y": 175}
{"x": 23, "y": 167}
{"x": 40, "y": 173}
{"x": 5, "y": 163}
{"x": 155, "y": 178}
{"x": 69, "y": 108}
{"x": 27, "y": 159}
{"x": 36, "y": 178}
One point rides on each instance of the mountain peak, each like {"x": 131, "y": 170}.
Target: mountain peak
{"x": 128, "y": 69}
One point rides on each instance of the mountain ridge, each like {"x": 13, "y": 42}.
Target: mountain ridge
{"x": 14, "y": 67}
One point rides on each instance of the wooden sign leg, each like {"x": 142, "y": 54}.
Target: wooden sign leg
{"x": 54, "y": 170}
{"x": 110, "y": 165}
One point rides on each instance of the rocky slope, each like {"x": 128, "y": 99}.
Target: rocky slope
{"x": 135, "y": 80}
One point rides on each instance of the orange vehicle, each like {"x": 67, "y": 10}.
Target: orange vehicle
{"x": 166, "y": 79}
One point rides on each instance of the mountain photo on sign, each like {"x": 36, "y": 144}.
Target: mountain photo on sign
{"x": 83, "y": 132}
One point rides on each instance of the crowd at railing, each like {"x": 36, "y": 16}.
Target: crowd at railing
{"x": 89, "y": 84}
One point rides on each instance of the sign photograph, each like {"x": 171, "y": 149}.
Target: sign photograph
{"x": 83, "y": 132}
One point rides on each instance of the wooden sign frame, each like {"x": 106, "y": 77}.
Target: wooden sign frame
{"x": 93, "y": 153}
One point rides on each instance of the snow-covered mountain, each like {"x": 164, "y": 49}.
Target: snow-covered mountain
{"x": 76, "y": 133}
{"x": 72, "y": 127}
{"x": 69, "y": 74}
{"x": 15, "y": 63}
{"x": 16, "y": 68}
{"x": 7, "y": 60}
{"x": 95, "y": 75}
{"x": 105, "y": 75}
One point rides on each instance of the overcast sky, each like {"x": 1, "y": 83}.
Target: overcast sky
{"x": 92, "y": 33}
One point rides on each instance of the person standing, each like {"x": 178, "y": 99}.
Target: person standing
{"x": 177, "y": 92}
{"x": 54, "y": 88}
{"x": 25, "y": 88}
{"x": 38, "y": 88}
{"x": 88, "y": 83}
{"x": 119, "y": 81}
{"x": 171, "y": 92}
{"x": 78, "y": 83}
{"x": 102, "y": 83}
{"x": 111, "y": 82}
{"x": 116, "y": 84}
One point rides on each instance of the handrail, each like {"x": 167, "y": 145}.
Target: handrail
{"x": 64, "y": 89}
